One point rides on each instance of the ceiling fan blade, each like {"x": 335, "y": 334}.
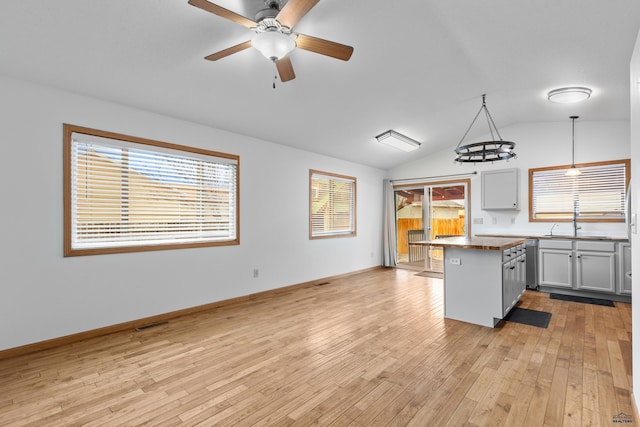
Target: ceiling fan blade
{"x": 294, "y": 10}
{"x": 324, "y": 47}
{"x": 229, "y": 51}
{"x": 222, "y": 12}
{"x": 285, "y": 69}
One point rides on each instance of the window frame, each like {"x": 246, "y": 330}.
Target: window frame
{"x": 532, "y": 171}
{"x": 335, "y": 234}
{"x": 147, "y": 144}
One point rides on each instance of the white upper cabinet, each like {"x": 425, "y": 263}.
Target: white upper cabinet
{"x": 500, "y": 189}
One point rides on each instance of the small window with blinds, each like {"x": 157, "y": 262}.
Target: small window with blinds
{"x": 332, "y": 205}
{"x": 129, "y": 194}
{"x": 597, "y": 194}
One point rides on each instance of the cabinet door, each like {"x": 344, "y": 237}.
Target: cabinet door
{"x": 506, "y": 289}
{"x": 500, "y": 189}
{"x": 522, "y": 275}
{"x": 596, "y": 271}
{"x": 555, "y": 268}
{"x": 509, "y": 295}
{"x": 625, "y": 269}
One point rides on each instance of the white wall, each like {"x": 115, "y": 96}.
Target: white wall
{"x": 537, "y": 145}
{"x": 44, "y": 295}
{"x": 635, "y": 186}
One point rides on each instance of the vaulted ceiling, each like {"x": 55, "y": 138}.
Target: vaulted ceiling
{"x": 419, "y": 66}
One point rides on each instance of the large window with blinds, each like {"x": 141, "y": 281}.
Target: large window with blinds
{"x": 597, "y": 194}
{"x": 126, "y": 194}
{"x": 332, "y": 205}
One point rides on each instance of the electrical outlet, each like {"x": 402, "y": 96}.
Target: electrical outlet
{"x": 256, "y": 273}
{"x": 455, "y": 261}
{"x": 477, "y": 220}
{"x": 494, "y": 220}
{"x": 513, "y": 220}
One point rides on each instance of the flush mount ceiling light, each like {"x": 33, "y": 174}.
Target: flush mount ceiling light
{"x": 573, "y": 171}
{"x": 398, "y": 141}
{"x": 273, "y": 45}
{"x": 567, "y": 95}
{"x": 487, "y": 151}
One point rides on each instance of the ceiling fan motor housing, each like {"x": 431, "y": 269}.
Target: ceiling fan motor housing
{"x": 267, "y": 15}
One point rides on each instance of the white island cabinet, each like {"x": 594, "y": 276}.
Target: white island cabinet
{"x": 483, "y": 277}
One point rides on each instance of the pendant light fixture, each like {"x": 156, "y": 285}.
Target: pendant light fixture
{"x": 487, "y": 151}
{"x": 573, "y": 171}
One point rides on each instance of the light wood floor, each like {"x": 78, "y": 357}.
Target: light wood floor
{"x": 367, "y": 350}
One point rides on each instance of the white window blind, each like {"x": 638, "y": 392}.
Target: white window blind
{"x": 332, "y": 205}
{"x": 126, "y": 194}
{"x": 597, "y": 194}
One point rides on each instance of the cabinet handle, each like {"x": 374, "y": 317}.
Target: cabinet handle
{"x": 522, "y": 260}
{"x": 512, "y": 268}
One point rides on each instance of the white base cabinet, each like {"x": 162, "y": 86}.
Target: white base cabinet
{"x": 596, "y": 271}
{"x": 555, "y": 268}
{"x": 578, "y": 265}
{"x": 624, "y": 270}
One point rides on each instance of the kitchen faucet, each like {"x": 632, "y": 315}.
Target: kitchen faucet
{"x": 575, "y": 223}
{"x": 551, "y": 231}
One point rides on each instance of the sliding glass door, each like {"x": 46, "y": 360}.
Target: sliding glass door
{"x": 445, "y": 213}
{"x": 427, "y": 212}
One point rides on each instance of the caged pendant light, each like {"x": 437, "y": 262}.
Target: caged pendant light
{"x": 487, "y": 151}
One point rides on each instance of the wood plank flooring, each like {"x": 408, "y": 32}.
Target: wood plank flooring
{"x": 368, "y": 350}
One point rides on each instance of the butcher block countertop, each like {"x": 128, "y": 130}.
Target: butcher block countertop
{"x": 485, "y": 243}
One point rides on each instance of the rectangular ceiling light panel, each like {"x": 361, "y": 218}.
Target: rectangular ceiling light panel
{"x": 398, "y": 141}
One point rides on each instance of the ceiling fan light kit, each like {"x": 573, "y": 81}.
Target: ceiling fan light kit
{"x": 398, "y": 141}
{"x": 568, "y": 95}
{"x": 273, "y": 45}
{"x": 487, "y": 151}
{"x": 274, "y": 37}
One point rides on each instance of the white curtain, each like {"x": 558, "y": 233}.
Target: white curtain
{"x": 390, "y": 258}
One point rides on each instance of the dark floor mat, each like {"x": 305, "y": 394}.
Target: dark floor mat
{"x": 584, "y": 300}
{"x": 529, "y": 317}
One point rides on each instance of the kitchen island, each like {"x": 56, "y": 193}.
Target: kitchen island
{"x": 484, "y": 277}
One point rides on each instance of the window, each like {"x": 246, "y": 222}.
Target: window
{"x": 597, "y": 195}
{"x": 126, "y": 194}
{"x": 332, "y": 205}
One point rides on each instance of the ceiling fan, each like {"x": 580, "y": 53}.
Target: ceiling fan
{"x": 274, "y": 37}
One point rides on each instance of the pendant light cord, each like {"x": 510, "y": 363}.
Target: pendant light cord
{"x": 573, "y": 140}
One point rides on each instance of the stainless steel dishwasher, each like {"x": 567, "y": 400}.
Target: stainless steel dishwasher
{"x": 532, "y": 263}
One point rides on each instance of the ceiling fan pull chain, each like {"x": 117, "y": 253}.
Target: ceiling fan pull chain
{"x": 275, "y": 73}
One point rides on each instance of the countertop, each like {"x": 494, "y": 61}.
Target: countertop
{"x": 556, "y": 236}
{"x": 477, "y": 242}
